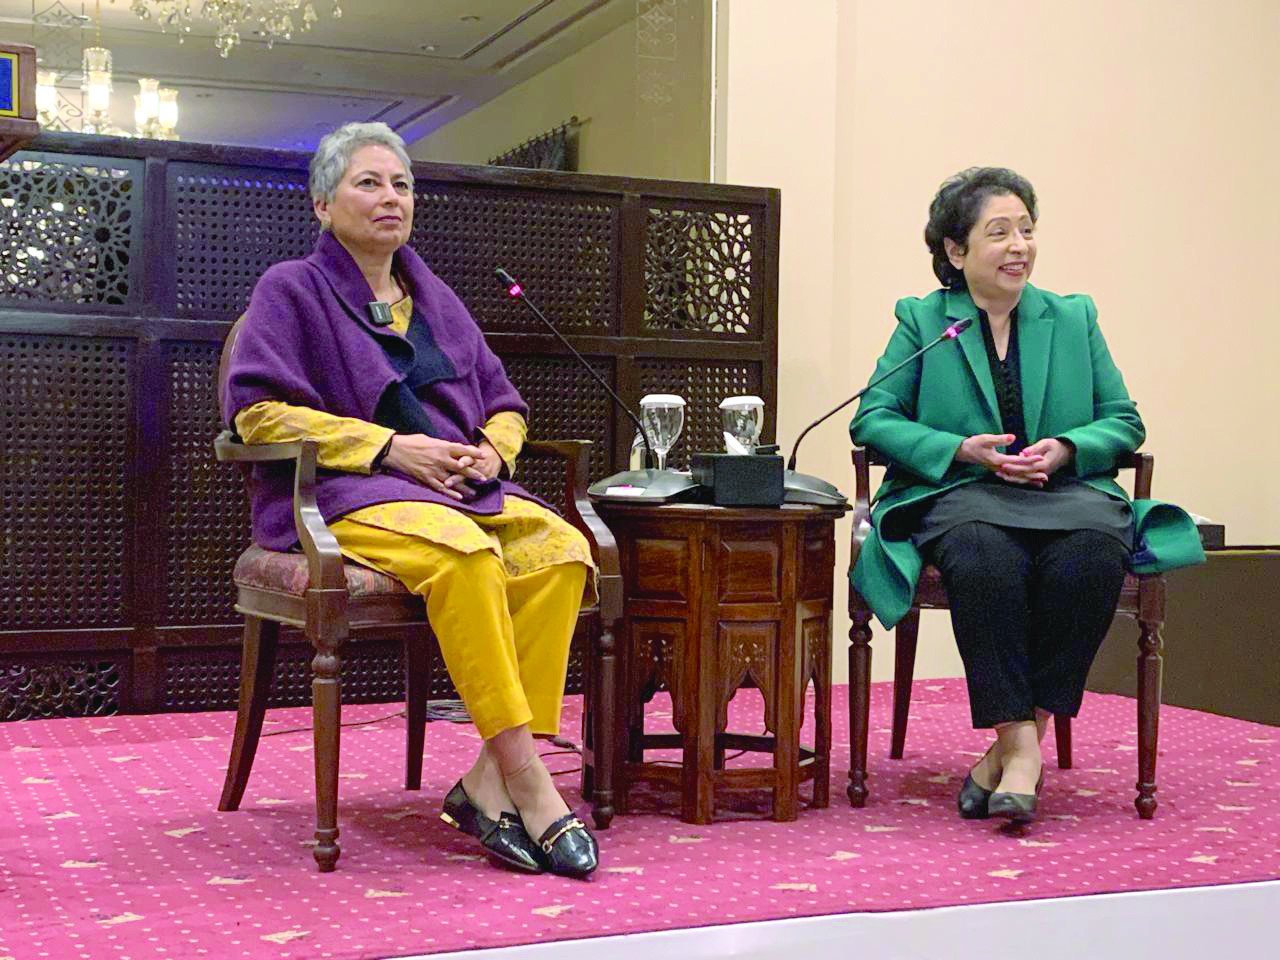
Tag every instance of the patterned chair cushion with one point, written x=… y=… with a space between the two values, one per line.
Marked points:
x=287 y=573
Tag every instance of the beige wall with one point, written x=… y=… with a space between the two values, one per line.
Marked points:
x=645 y=116
x=1148 y=130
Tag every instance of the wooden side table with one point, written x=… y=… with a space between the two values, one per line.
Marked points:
x=714 y=597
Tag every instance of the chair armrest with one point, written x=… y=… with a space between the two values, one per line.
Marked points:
x=581 y=514
x=319 y=546
x=229 y=449
x=861 y=502
x=1143 y=466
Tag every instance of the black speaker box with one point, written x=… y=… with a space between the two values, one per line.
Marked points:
x=740 y=480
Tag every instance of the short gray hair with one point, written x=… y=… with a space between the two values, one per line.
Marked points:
x=332 y=157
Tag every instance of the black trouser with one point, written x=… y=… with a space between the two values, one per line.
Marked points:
x=1029 y=609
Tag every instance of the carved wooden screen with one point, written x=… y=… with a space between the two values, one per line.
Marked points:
x=124 y=263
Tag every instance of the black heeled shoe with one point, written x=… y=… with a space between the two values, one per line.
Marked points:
x=568 y=849
x=973 y=799
x=1016 y=807
x=505 y=839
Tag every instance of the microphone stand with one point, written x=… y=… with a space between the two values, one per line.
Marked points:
x=802 y=488
x=646 y=485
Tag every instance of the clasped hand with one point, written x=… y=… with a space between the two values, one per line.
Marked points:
x=442 y=465
x=1032 y=467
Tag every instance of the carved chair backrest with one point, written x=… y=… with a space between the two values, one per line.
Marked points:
x=224 y=363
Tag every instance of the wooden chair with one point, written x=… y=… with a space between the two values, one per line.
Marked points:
x=333 y=600
x=1142 y=597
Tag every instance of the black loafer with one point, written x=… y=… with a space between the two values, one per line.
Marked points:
x=1016 y=807
x=973 y=800
x=567 y=848
x=505 y=839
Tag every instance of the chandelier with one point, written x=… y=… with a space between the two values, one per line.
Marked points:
x=74 y=84
x=273 y=20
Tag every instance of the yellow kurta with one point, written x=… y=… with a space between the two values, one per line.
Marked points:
x=505 y=677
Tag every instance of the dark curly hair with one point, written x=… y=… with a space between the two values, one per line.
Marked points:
x=955 y=210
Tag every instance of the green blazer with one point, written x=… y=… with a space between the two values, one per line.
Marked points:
x=1071 y=389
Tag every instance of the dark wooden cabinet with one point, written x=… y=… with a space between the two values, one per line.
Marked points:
x=716 y=599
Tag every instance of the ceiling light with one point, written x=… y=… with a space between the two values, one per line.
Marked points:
x=271 y=19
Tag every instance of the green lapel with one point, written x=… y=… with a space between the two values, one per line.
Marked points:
x=959 y=306
x=1035 y=338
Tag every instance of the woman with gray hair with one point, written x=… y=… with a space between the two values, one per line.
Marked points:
x=362 y=348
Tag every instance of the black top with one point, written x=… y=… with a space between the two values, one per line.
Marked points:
x=1064 y=503
x=1006 y=375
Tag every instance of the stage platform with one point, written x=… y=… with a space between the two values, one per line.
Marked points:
x=110 y=847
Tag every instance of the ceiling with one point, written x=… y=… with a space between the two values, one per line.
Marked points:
x=415 y=64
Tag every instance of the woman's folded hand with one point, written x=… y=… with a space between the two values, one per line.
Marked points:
x=434 y=463
x=488 y=465
x=1033 y=466
x=982 y=449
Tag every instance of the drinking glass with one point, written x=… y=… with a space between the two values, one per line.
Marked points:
x=663 y=417
x=742 y=419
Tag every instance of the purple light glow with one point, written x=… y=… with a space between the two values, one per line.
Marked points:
x=515 y=290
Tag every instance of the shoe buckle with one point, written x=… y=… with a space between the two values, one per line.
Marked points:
x=569 y=825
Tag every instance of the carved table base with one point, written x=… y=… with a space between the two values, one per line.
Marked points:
x=717 y=599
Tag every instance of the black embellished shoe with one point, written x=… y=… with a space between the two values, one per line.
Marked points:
x=567 y=848
x=973 y=800
x=1016 y=807
x=505 y=839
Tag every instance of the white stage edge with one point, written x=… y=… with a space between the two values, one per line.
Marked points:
x=1230 y=922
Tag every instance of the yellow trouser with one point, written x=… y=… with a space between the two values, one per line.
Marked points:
x=505 y=639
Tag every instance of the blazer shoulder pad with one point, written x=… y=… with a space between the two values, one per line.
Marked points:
x=1071 y=305
x=913 y=309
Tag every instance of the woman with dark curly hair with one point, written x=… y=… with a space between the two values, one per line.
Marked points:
x=1003 y=455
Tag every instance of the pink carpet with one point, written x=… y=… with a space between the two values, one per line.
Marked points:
x=110 y=846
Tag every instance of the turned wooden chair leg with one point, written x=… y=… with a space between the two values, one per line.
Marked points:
x=1150 y=669
x=417 y=687
x=822 y=722
x=859 y=704
x=257 y=665
x=603 y=688
x=326 y=710
x=1062 y=738
x=587 y=783
x=904 y=668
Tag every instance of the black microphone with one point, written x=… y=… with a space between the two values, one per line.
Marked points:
x=953 y=331
x=516 y=291
x=646 y=485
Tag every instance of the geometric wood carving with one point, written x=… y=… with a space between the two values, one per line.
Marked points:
x=122 y=263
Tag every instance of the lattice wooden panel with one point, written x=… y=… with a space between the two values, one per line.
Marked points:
x=372 y=672
x=91 y=520
x=69 y=228
x=560 y=248
x=208 y=513
x=209 y=678
x=230 y=225
x=698 y=272
x=703 y=384
x=65 y=422
x=565 y=403
x=78 y=688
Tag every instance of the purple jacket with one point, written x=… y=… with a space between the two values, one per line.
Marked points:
x=307 y=340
